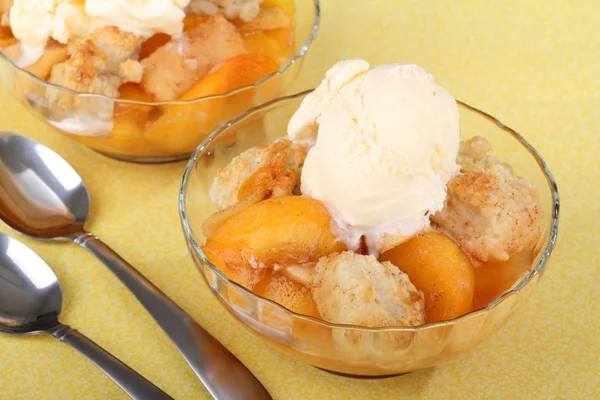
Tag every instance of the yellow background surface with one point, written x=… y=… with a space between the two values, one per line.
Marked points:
x=534 y=64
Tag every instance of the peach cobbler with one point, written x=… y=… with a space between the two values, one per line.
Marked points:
x=372 y=211
x=154 y=51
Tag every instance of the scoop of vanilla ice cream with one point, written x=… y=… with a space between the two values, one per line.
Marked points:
x=34 y=22
x=303 y=125
x=142 y=17
x=386 y=146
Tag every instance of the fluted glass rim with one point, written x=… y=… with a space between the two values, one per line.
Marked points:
x=545 y=254
x=297 y=57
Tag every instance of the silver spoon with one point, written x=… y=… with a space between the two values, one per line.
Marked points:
x=30 y=302
x=43 y=197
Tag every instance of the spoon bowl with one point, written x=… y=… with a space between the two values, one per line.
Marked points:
x=30 y=294
x=42 y=196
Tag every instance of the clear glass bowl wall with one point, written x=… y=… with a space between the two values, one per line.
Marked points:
x=347 y=349
x=180 y=126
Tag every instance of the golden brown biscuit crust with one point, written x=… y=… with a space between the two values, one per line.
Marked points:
x=356 y=289
x=94 y=63
x=283 y=155
x=490 y=211
x=175 y=67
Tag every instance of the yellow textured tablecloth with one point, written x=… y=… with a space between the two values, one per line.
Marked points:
x=534 y=64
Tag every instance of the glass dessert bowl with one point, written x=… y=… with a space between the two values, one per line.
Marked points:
x=156 y=98
x=355 y=349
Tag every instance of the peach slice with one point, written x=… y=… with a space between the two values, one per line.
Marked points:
x=288 y=293
x=181 y=127
x=153 y=43
x=133 y=91
x=440 y=269
x=5 y=5
x=6 y=37
x=191 y=122
x=289 y=230
x=260 y=43
x=6 y=42
x=243 y=70
x=6 y=32
x=287 y=6
x=210 y=224
x=270 y=181
x=127 y=126
x=130 y=118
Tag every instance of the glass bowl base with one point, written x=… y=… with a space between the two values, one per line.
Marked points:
x=145 y=160
x=363 y=376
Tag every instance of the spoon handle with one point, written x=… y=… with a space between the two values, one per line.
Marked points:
x=134 y=384
x=223 y=375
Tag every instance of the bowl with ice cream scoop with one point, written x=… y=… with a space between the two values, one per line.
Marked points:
x=151 y=89
x=452 y=240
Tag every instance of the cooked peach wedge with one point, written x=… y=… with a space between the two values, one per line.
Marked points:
x=288 y=293
x=270 y=181
x=289 y=230
x=439 y=268
x=6 y=37
x=193 y=121
x=132 y=91
x=244 y=70
x=190 y=122
x=154 y=43
x=131 y=113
